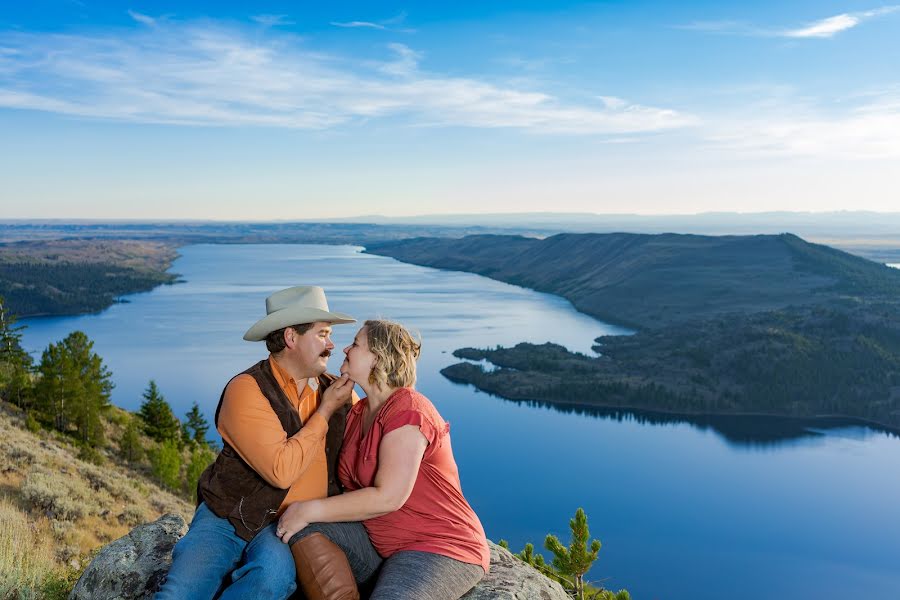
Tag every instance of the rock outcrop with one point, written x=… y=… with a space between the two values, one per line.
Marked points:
x=134 y=566
x=512 y=579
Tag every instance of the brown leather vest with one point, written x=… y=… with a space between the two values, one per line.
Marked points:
x=234 y=491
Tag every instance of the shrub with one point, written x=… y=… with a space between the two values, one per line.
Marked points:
x=201 y=457
x=32 y=424
x=132 y=516
x=165 y=461
x=118 y=487
x=20 y=455
x=61 y=529
x=59 y=584
x=64 y=498
x=610 y=595
x=91 y=455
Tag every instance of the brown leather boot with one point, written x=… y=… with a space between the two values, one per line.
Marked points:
x=323 y=570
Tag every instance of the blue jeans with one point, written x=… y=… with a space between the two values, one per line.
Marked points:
x=211 y=561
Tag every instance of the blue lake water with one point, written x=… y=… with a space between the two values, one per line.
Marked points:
x=714 y=508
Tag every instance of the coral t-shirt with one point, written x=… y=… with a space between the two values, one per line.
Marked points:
x=436 y=517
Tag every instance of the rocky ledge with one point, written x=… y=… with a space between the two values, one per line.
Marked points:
x=134 y=566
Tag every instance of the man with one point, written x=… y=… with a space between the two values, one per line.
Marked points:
x=282 y=424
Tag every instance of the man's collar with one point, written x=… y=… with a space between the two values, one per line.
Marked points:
x=284 y=378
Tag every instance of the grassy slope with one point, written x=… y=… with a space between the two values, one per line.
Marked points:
x=57 y=509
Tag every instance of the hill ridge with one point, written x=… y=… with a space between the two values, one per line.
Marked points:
x=654 y=280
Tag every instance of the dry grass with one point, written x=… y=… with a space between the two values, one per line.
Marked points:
x=27 y=560
x=56 y=509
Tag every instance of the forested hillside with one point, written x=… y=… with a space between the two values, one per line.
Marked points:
x=68 y=277
x=725 y=325
x=647 y=281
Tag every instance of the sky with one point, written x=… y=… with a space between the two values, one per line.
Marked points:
x=305 y=110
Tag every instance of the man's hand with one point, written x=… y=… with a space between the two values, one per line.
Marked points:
x=291 y=521
x=337 y=394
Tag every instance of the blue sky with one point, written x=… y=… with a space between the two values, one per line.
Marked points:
x=290 y=110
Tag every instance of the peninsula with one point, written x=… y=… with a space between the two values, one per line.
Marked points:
x=764 y=324
x=75 y=276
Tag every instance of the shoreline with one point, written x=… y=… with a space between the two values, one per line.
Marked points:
x=609 y=408
x=170 y=250
x=74 y=277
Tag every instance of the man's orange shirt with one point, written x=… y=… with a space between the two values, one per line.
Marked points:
x=248 y=424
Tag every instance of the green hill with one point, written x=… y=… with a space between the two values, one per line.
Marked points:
x=764 y=324
x=649 y=281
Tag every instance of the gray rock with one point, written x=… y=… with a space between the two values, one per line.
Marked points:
x=133 y=566
x=511 y=579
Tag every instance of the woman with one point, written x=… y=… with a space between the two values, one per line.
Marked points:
x=403 y=485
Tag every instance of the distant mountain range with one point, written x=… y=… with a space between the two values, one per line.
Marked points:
x=839 y=224
x=806 y=224
x=869 y=234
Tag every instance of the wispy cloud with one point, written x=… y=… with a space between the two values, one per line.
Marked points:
x=272 y=20
x=202 y=74
x=716 y=26
x=836 y=24
x=141 y=18
x=868 y=129
x=383 y=25
x=396 y=19
x=353 y=24
x=823 y=28
x=406 y=63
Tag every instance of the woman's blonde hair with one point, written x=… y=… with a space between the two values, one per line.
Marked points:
x=396 y=351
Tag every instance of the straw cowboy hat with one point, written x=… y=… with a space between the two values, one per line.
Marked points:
x=294 y=306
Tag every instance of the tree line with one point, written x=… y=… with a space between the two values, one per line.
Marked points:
x=68 y=392
x=39 y=288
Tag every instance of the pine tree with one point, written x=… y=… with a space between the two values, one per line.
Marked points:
x=15 y=363
x=196 y=425
x=528 y=556
x=54 y=388
x=130 y=447
x=535 y=560
x=74 y=388
x=575 y=560
x=160 y=423
x=94 y=387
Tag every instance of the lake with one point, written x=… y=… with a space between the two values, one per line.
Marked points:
x=706 y=508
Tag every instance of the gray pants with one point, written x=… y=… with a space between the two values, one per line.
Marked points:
x=404 y=575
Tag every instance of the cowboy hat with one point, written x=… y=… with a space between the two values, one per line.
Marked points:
x=294 y=306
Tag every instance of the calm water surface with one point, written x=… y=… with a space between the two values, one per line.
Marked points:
x=708 y=509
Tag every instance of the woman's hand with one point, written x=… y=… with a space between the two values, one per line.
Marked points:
x=292 y=520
